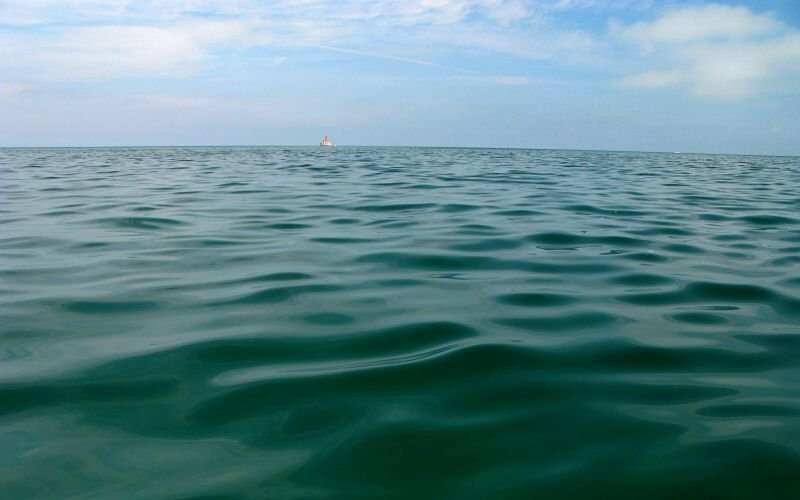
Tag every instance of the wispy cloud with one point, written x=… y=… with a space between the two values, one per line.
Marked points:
x=106 y=39
x=536 y=43
x=717 y=51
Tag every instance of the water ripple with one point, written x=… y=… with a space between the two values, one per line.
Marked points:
x=286 y=322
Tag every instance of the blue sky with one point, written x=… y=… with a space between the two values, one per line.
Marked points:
x=719 y=77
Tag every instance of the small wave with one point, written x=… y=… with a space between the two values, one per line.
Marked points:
x=649 y=257
x=718 y=292
x=571 y=239
x=700 y=318
x=149 y=223
x=280 y=294
x=642 y=279
x=286 y=225
x=458 y=208
x=765 y=220
x=287 y=276
x=396 y=207
x=403 y=339
x=517 y=213
x=790 y=260
x=486 y=245
x=438 y=262
x=344 y=220
x=748 y=410
x=328 y=319
x=342 y=240
x=683 y=248
x=29 y=397
x=612 y=212
x=536 y=299
x=102 y=307
x=562 y=323
x=664 y=231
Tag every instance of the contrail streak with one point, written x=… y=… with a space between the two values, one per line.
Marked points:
x=385 y=56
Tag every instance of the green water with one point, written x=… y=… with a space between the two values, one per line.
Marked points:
x=398 y=322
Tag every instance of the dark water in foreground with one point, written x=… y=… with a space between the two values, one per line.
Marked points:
x=371 y=322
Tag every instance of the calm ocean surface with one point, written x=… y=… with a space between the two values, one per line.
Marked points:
x=398 y=322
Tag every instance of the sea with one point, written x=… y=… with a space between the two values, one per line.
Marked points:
x=365 y=322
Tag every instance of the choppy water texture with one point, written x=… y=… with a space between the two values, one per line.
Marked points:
x=419 y=323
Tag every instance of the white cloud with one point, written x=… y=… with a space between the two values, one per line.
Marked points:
x=690 y=24
x=716 y=51
x=117 y=50
x=735 y=70
x=112 y=51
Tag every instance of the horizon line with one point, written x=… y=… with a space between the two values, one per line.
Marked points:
x=524 y=148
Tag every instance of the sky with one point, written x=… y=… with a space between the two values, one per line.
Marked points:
x=689 y=76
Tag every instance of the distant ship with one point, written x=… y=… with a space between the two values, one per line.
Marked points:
x=325 y=142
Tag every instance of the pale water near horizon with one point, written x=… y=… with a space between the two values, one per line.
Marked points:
x=267 y=322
